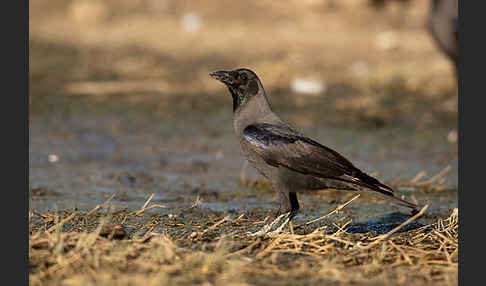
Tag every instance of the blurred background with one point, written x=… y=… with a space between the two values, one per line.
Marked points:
x=121 y=101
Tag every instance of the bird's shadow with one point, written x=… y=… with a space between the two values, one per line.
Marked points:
x=384 y=224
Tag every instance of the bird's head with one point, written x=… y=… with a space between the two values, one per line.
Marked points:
x=243 y=84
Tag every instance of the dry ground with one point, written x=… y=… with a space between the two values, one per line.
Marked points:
x=133 y=248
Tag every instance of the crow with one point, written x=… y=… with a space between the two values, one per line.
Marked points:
x=290 y=160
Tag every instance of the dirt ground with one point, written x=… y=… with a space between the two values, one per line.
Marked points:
x=122 y=107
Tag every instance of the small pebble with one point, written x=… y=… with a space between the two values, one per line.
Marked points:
x=191 y=22
x=53 y=158
x=452 y=136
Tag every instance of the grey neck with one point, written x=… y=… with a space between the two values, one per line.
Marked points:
x=257 y=109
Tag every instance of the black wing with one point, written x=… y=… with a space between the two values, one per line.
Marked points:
x=282 y=146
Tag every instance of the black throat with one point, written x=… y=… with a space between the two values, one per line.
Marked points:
x=236 y=99
x=240 y=100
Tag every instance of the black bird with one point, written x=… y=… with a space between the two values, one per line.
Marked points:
x=291 y=161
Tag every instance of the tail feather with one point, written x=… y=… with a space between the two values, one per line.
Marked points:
x=372 y=185
x=393 y=199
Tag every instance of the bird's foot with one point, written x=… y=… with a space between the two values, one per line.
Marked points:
x=266 y=229
x=280 y=228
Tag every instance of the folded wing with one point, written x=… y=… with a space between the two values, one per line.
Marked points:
x=282 y=146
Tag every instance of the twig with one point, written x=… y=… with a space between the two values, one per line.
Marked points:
x=101 y=205
x=340 y=207
x=225 y=219
x=436 y=177
x=200 y=234
x=148 y=200
x=419 y=176
x=144 y=207
x=405 y=256
x=333 y=237
x=270 y=247
x=52 y=228
x=248 y=248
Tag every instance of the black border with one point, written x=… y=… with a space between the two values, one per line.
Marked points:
x=471 y=120
x=460 y=142
x=16 y=56
x=23 y=95
x=15 y=135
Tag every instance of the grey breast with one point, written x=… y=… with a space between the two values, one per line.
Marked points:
x=256 y=161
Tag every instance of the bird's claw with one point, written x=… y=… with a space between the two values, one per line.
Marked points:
x=266 y=228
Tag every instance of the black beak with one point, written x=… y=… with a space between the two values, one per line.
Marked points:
x=223 y=76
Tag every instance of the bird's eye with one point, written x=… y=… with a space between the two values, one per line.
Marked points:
x=243 y=77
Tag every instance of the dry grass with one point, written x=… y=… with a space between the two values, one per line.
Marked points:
x=97 y=249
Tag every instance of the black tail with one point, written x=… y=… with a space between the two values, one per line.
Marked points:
x=386 y=192
x=374 y=186
x=392 y=198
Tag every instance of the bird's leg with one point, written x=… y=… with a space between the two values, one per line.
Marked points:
x=290 y=205
x=294 y=208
